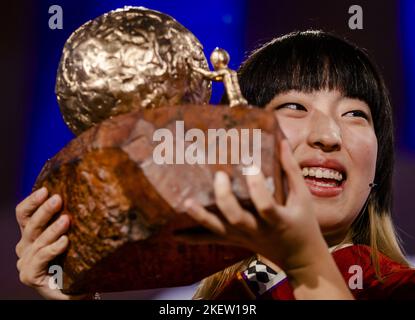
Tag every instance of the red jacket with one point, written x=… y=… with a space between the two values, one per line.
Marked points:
x=355 y=265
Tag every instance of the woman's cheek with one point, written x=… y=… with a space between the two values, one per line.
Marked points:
x=362 y=147
x=292 y=129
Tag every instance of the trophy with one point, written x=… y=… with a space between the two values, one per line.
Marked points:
x=134 y=86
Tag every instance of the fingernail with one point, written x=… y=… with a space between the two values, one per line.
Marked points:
x=62 y=220
x=188 y=203
x=62 y=239
x=221 y=177
x=252 y=170
x=54 y=200
x=40 y=193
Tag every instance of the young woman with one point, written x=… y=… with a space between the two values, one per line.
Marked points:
x=333 y=238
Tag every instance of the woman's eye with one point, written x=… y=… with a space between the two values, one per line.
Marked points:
x=291 y=106
x=357 y=113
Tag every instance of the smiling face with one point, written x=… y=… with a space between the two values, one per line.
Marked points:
x=334 y=142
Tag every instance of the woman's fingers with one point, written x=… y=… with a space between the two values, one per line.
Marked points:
x=32 y=267
x=204 y=218
x=41 y=217
x=29 y=205
x=52 y=233
x=262 y=197
x=46 y=254
x=295 y=178
x=229 y=206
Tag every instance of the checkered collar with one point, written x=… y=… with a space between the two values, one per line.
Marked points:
x=260 y=278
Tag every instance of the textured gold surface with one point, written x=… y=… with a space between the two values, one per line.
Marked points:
x=128 y=58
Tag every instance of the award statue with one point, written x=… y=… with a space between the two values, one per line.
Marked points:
x=134 y=86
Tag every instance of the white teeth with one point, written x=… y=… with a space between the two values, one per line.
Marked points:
x=324 y=184
x=322 y=173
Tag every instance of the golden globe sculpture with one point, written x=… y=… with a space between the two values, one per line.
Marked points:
x=128 y=58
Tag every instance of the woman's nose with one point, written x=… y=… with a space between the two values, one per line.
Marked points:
x=324 y=133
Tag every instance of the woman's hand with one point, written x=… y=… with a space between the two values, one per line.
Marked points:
x=288 y=235
x=40 y=243
x=281 y=233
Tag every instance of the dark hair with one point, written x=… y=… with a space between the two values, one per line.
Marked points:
x=315 y=60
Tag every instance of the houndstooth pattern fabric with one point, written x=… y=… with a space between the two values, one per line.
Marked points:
x=260 y=278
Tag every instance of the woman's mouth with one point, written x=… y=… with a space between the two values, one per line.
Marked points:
x=324 y=182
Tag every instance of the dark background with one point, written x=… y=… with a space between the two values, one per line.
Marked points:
x=32 y=130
